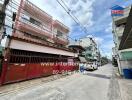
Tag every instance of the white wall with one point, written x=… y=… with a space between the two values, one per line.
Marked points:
x=15 y=44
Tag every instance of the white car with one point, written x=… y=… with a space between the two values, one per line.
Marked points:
x=95 y=66
x=91 y=66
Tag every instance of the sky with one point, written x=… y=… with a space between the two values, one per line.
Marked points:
x=93 y=14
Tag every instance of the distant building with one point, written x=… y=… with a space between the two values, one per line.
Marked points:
x=91 y=52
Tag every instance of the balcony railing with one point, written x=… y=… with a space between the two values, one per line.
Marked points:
x=36 y=12
x=119 y=31
x=89 y=52
x=28 y=26
x=61 y=40
x=33 y=38
x=61 y=26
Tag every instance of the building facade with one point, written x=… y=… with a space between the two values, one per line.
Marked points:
x=91 y=52
x=36 y=44
x=119 y=25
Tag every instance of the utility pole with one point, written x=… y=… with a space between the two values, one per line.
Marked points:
x=2 y=34
x=2 y=18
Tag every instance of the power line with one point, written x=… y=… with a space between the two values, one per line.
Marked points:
x=84 y=28
x=80 y=24
x=31 y=34
x=8 y=15
x=23 y=13
x=72 y=16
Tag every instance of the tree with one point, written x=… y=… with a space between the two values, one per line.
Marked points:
x=104 y=60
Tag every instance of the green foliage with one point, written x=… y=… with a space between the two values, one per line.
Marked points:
x=104 y=60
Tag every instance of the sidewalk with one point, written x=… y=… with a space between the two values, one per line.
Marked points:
x=125 y=86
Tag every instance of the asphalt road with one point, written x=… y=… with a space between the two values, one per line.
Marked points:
x=95 y=85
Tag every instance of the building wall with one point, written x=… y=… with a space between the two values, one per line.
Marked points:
x=92 y=52
x=119 y=23
x=37 y=26
x=32 y=25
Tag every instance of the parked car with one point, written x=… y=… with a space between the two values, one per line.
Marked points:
x=95 y=66
x=90 y=66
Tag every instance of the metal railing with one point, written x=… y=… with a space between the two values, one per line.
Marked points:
x=27 y=2
x=41 y=28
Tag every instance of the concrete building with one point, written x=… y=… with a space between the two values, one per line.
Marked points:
x=120 y=51
x=37 y=28
x=34 y=41
x=91 y=52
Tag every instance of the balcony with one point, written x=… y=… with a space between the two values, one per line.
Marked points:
x=60 y=26
x=37 y=12
x=89 y=52
x=119 y=31
x=27 y=26
x=31 y=38
x=61 y=40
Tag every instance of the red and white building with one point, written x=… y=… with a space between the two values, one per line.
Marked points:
x=38 y=45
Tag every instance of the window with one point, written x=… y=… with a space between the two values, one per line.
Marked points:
x=35 y=21
x=25 y=17
x=89 y=48
x=89 y=55
x=59 y=34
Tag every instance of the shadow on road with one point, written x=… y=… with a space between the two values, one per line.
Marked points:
x=98 y=75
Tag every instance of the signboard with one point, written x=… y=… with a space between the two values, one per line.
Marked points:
x=117 y=11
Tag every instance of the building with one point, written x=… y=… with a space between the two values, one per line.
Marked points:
x=35 y=41
x=1 y=30
x=77 y=48
x=91 y=52
x=120 y=29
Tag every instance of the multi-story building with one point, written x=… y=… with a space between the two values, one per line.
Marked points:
x=91 y=52
x=34 y=41
x=119 y=26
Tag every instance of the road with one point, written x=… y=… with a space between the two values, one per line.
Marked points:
x=95 y=85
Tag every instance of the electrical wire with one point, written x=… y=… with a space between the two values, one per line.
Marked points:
x=84 y=28
x=73 y=17
x=77 y=19
x=22 y=8
x=23 y=13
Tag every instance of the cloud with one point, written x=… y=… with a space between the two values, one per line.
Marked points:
x=106 y=48
x=98 y=40
x=108 y=36
x=84 y=13
x=109 y=29
x=91 y=13
x=108 y=45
